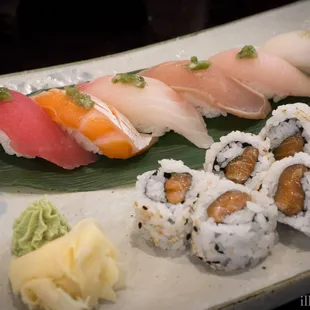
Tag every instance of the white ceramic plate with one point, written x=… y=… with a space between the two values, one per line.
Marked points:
x=154 y=281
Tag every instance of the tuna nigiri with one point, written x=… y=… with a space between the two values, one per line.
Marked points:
x=151 y=106
x=205 y=86
x=26 y=130
x=97 y=127
x=266 y=73
x=293 y=47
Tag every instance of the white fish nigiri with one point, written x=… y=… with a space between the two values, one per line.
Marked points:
x=294 y=47
x=210 y=90
x=266 y=73
x=151 y=106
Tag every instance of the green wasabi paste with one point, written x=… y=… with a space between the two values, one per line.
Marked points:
x=133 y=79
x=248 y=51
x=83 y=100
x=37 y=225
x=194 y=64
x=5 y=94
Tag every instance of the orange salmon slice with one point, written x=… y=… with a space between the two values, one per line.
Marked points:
x=105 y=127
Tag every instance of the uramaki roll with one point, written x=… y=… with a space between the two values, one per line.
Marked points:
x=164 y=201
x=288 y=130
x=288 y=183
x=233 y=227
x=239 y=157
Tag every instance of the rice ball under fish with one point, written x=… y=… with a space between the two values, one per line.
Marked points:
x=288 y=130
x=233 y=227
x=288 y=183
x=239 y=157
x=165 y=199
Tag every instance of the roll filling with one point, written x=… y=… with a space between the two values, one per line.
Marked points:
x=239 y=157
x=233 y=227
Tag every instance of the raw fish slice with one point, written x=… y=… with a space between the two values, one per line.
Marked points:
x=155 y=109
x=211 y=90
x=100 y=129
x=26 y=130
x=293 y=47
x=268 y=74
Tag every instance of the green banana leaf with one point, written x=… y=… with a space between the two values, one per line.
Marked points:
x=108 y=173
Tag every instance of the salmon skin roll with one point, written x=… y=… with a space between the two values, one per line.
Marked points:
x=99 y=128
x=288 y=130
x=288 y=183
x=233 y=226
x=164 y=201
x=240 y=157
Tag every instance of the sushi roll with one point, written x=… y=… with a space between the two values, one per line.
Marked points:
x=288 y=183
x=239 y=157
x=165 y=199
x=233 y=227
x=288 y=130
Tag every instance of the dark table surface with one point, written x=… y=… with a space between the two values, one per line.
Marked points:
x=36 y=33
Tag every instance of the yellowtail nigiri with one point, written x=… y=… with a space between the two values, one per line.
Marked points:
x=151 y=106
x=294 y=47
x=266 y=73
x=96 y=126
x=206 y=87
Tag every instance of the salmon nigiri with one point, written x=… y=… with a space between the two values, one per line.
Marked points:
x=151 y=106
x=99 y=128
x=26 y=130
x=266 y=73
x=205 y=86
x=293 y=47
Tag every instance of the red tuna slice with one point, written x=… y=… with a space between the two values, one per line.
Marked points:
x=33 y=134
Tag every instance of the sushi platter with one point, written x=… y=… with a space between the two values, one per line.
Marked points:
x=186 y=183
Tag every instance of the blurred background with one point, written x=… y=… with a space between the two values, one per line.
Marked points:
x=36 y=33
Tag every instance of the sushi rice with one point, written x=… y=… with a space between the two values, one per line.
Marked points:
x=232 y=145
x=301 y=221
x=243 y=239
x=165 y=224
x=286 y=121
x=207 y=111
